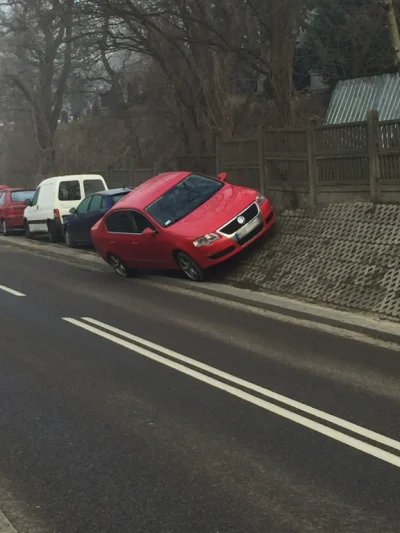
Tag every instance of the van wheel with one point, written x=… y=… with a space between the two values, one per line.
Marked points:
x=52 y=231
x=189 y=267
x=28 y=234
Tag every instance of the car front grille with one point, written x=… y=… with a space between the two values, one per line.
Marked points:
x=233 y=226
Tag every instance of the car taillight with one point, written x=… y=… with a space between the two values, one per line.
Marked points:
x=57 y=214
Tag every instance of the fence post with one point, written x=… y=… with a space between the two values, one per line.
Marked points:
x=260 y=151
x=312 y=167
x=217 y=155
x=373 y=152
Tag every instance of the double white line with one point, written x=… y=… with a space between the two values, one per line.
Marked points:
x=230 y=384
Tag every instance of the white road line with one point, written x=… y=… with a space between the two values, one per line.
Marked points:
x=344 y=424
x=280 y=411
x=11 y=291
x=5 y=525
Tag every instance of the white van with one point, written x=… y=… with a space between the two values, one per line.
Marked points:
x=54 y=198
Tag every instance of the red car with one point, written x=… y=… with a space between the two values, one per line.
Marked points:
x=12 y=206
x=181 y=220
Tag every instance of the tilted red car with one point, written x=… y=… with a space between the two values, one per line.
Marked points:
x=12 y=207
x=181 y=220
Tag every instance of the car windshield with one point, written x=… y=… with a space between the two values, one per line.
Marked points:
x=117 y=197
x=183 y=199
x=21 y=196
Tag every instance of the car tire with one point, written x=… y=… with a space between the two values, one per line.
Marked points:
x=119 y=266
x=52 y=232
x=4 y=228
x=189 y=267
x=68 y=239
x=28 y=234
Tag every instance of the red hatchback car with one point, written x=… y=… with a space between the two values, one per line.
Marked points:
x=12 y=207
x=181 y=220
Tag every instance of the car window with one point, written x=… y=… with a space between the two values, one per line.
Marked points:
x=83 y=207
x=121 y=222
x=141 y=222
x=36 y=196
x=95 y=204
x=2 y=198
x=69 y=191
x=117 y=197
x=92 y=186
x=21 y=196
x=183 y=198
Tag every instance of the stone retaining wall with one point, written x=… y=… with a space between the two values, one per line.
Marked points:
x=345 y=255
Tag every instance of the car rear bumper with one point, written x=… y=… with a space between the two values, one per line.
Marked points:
x=227 y=247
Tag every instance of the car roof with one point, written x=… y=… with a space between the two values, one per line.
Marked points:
x=111 y=192
x=150 y=190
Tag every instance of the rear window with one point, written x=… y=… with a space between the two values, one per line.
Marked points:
x=117 y=197
x=21 y=196
x=93 y=186
x=69 y=191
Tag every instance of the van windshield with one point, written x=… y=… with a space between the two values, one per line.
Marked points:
x=93 y=186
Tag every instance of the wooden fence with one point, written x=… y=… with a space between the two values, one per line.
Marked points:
x=309 y=166
x=313 y=165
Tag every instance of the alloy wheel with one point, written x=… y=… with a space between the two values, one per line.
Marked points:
x=189 y=267
x=118 y=266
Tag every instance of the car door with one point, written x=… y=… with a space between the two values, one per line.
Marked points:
x=121 y=237
x=155 y=251
x=94 y=213
x=76 y=221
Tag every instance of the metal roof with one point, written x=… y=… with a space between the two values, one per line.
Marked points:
x=352 y=99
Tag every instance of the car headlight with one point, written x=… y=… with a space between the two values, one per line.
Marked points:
x=260 y=199
x=206 y=240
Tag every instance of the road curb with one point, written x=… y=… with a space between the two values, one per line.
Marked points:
x=371 y=326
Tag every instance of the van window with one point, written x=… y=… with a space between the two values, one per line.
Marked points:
x=92 y=186
x=35 y=196
x=2 y=197
x=69 y=191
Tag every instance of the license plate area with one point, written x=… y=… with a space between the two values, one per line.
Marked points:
x=247 y=229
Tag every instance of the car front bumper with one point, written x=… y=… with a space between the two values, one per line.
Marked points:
x=228 y=246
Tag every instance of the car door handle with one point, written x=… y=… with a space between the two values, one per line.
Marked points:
x=113 y=242
x=135 y=242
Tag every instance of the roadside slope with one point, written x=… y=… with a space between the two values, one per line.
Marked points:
x=345 y=255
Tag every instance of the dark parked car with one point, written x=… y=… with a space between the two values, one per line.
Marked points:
x=77 y=225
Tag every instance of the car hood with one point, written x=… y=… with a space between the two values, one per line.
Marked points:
x=218 y=210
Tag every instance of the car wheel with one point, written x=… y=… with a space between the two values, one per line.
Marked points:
x=119 y=266
x=52 y=231
x=4 y=227
x=189 y=267
x=28 y=234
x=68 y=239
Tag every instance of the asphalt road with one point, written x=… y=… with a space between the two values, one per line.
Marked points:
x=127 y=407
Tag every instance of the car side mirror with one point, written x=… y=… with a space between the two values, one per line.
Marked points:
x=28 y=203
x=222 y=176
x=149 y=232
x=73 y=211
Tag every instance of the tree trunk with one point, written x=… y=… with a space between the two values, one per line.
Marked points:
x=393 y=30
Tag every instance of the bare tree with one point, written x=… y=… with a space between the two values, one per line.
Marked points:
x=39 y=42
